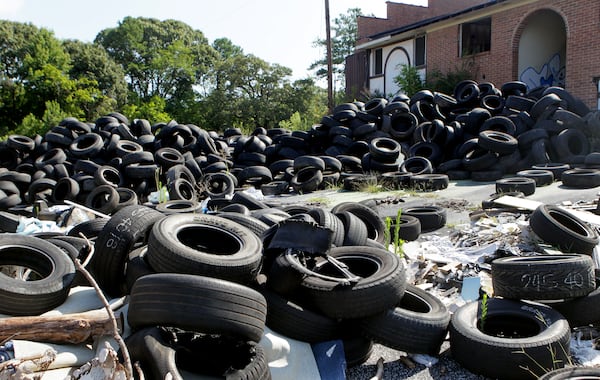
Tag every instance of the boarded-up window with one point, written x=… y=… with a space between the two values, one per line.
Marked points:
x=420 y=51
x=475 y=36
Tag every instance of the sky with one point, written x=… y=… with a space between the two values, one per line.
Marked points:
x=277 y=31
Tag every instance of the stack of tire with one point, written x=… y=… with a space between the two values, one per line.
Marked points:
x=176 y=267
x=343 y=284
x=524 y=331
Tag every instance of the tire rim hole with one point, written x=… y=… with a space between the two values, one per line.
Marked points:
x=509 y=326
x=359 y=266
x=209 y=240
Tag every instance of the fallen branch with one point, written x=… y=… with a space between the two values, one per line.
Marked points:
x=68 y=328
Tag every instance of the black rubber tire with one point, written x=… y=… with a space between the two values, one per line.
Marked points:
x=374 y=223
x=355 y=230
x=104 y=199
x=581 y=178
x=137 y=267
x=181 y=189
x=255 y=225
x=410 y=227
x=560 y=228
x=162 y=354
x=357 y=350
x=572 y=373
x=48 y=284
x=124 y=231
x=90 y=228
x=418 y=324
x=431 y=217
x=496 y=141
x=580 y=311
x=226 y=307
x=540 y=176
x=205 y=245
x=218 y=185
x=429 y=182
x=294 y=321
x=384 y=149
x=382 y=283
x=479 y=159
x=179 y=206
x=417 y=165
x=307 y=180
x=543 y=277
x=524 y=185
x=556 y=168
x=329 y=220
x=248 y=201
x=543 y=340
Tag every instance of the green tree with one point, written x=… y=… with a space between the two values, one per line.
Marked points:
x=160 y=58
x=409 y=80
x=344 y=33
x=92 y=62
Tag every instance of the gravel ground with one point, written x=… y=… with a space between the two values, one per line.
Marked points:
x=394 y=368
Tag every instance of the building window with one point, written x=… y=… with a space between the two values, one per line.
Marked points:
x=420 y=51
x=378 y=62
x=475 y=36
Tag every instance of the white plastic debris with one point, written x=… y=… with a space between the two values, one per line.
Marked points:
x=426 y=360
x=29 y=226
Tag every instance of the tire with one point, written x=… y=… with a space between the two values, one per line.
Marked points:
x=127 y=229
x=555 y=167
x=179 y=206
x=410 y=227
x=90 y=228
x=297 y=322
x=562 y=229
x=307 y=180
x=329 y=220
x=524 y=185
x=418 y=324
x=355 y=230
x=580 y=311
x=581 y=178
x=499 y=142
x=226 y=307
x=572 y=373
x=104 y=199
x=382 y=282
x=218 y=185
x=205 y=245
x=431 y=217
x=374 y=223
x=43 y=277
x=541 y=177
x=429 y=182
x=384 y=149
x=543 y=277
x=539 y=339
x=255 y=225
x=416 y=165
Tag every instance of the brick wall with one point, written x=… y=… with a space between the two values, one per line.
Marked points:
x=399 y=15
x=499 y=65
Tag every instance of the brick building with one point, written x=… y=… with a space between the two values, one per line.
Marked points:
x=539 y=42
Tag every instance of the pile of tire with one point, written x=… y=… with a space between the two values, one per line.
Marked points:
x=344 y=284
x=524 y=331
x=480 y=132
x=176 y=267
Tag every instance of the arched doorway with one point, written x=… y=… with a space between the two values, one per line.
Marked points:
x=542 y=50
x=393 y=63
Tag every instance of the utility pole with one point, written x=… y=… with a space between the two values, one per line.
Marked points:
x=329 y=59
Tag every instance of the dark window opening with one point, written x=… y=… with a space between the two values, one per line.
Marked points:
x=420 y=51
x=378 y=62
x=476 y=36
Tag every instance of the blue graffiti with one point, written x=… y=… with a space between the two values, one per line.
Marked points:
x=551 y=74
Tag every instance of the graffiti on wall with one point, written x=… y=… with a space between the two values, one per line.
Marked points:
x=551 y=74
